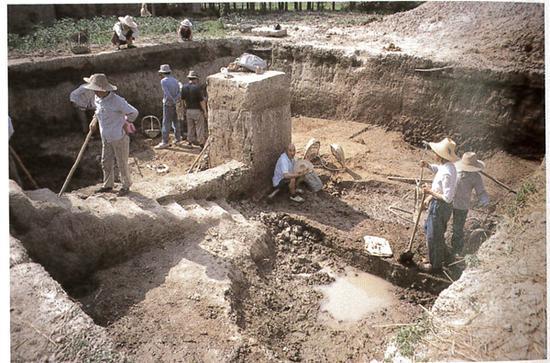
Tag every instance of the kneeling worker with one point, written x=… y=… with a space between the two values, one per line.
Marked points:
x=284 y=177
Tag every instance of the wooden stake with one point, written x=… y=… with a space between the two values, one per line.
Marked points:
x=16 y=157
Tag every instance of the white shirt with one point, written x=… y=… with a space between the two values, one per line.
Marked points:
x=122 y=34
x=111 y=112
x=445 y=180
x=83 y=98
x=284 y=165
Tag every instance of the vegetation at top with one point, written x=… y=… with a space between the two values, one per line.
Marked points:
x=100 y=31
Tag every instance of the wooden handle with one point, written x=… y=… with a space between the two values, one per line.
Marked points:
x=23 y=168
x=416 y=222
x=499 y=182
x=78 y=158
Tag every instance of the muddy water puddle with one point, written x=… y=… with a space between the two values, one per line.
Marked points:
x=353 y=295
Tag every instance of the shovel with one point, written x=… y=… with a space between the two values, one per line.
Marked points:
x=407 y=255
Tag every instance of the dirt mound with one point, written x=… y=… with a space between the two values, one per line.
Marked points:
x=477 y=33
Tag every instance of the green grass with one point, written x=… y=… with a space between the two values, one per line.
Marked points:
x=408 y=337
x=521 y=198
x=56 y=36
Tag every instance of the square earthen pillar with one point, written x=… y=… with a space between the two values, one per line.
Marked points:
x=249 y=120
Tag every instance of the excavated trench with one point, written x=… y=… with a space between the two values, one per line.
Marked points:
x=148 y=290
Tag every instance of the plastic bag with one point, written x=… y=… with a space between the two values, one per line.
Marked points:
x=252 y=63
x=313 y=182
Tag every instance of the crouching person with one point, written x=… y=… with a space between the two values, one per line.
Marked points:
x=112 y=113
x=439 y=201
x=284 y=178
x=125 y=32
x=469 y=179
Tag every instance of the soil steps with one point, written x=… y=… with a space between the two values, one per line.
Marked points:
x=169 y=268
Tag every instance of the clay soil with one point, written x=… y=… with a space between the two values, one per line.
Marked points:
x=277 y=309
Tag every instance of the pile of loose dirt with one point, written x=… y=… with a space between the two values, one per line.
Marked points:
x=479 y=34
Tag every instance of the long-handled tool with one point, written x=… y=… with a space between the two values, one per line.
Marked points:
x=498 y=182
x=206 y=145
x=79 y=157
x=418 y=182
x=16 y=157
x=407 y=255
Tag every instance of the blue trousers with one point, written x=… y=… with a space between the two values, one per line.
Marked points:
x=439 y=213
x=459 y=219
x=169 y=121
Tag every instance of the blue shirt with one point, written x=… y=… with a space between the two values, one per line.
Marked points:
x=111 y=112
x=171 y=90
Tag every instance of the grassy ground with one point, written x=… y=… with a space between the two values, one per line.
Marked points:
x=99 y=31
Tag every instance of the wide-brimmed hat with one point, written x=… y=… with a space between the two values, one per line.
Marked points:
x=192 y=75
x=98 y=82
x=445 y=148
x=165 y=68
x=186 y=23
x=338 y=153
x=469 y=162
x=311 y=151
x=128 y=20
x=302 y=165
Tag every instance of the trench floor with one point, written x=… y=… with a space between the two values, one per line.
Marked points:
x=166 y=304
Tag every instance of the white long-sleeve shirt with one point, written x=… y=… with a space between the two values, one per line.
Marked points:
x=83 y=98
x=112 y=111
x=284 y=165
x=119 y=30
x=445 y=180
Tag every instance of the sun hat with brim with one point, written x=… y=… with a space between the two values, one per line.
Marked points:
x=165 y=68
x=186 y=23
x=192 y=75
x=99 y=82
x=469 y=162
x=445 y=148
x=302 y=165
x=128 y=20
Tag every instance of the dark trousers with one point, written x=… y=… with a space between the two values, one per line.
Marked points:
x=439 y=213
x=459 y=219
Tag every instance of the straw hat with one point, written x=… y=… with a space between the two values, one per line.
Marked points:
x=469 y=162
x=165 y=68
x=302 y=165
x=128 y=20
x=312 y=149
x=98 y=82
x=186 y=23
x=192 y=75
x=445 y=148
x=338 y=153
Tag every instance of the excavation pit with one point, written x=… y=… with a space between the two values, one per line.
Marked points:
x=178 y=273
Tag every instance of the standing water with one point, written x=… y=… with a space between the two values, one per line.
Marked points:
x=353 y=295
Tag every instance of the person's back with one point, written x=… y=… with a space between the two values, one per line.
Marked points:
x=193 y=95
x=171 y=90
x=467 y=182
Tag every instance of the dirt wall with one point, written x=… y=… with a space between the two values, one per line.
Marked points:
x=481 y=110
x=39 y=92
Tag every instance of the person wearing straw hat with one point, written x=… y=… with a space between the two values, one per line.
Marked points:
x=185 y=33
x=439 y=201
x=125 y=32
x=196 y=110
x=469 y=179
x=285 y=177
x=112 y=113
x=83 y=101
x=171 y=96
